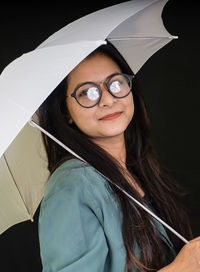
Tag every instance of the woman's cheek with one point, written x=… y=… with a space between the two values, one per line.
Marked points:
x=85 y=121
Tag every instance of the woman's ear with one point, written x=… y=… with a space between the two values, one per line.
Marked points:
x=68 y=117
x=70 y=121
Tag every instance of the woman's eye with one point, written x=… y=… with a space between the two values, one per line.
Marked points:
x=115 y=86
x=83 y=93
x=93 y=93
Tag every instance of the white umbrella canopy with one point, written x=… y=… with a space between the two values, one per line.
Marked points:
x=135 y=28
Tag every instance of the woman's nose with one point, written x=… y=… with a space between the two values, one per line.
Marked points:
x=106 y=98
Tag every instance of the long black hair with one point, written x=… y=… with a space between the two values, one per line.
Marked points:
x=141 y=162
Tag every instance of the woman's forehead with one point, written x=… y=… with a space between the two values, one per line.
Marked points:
x=95 y=68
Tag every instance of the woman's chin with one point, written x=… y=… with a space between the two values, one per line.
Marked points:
x=110 y=133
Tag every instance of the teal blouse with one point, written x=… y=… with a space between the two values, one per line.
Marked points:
x=80 y=223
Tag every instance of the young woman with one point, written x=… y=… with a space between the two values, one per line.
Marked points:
x=86 y=223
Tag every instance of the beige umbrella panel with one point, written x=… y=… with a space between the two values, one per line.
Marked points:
x=23 y=176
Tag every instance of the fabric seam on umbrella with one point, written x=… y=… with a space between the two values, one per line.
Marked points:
x=31 y=218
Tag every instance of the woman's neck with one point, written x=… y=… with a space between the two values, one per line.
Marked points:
x=115 y=146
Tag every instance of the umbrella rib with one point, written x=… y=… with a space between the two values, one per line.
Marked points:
x=33 y=124
x=132 y=38
x=31 y=218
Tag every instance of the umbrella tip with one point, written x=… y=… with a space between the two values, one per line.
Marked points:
x=101 y=42
x=31 y=218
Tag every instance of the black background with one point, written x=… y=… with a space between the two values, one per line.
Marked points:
x=170 y=82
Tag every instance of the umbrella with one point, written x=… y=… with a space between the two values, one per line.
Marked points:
x=135 y=28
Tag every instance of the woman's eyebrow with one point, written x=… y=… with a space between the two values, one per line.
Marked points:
x=84 y=82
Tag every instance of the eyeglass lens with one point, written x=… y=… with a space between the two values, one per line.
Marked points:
x=88 y=94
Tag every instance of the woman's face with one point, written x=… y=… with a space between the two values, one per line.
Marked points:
x=93 y=121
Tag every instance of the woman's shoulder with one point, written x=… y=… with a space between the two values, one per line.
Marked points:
x=76 y=175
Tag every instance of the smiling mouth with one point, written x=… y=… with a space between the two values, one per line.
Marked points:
x=111 y=116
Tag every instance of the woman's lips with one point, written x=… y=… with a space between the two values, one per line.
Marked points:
x=111 y=116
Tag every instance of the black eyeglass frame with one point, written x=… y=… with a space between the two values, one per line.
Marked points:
x=106 y=82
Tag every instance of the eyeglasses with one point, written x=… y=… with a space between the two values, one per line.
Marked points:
x=88 y=94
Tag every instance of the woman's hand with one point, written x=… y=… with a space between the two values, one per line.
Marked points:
x=188 y=259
